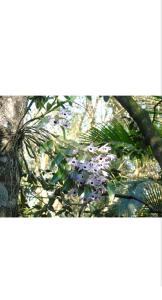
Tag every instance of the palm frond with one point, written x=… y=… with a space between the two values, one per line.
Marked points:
x=124 y=138
x=151 y=193
x=106 y=133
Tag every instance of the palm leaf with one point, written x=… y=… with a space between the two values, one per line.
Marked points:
x=105 y=133
x=123 y=138
x=151 y=193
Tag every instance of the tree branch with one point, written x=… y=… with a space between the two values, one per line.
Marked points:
x=143 y=121
x=154 y=116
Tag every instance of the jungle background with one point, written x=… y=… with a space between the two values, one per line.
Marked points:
x=81 y=156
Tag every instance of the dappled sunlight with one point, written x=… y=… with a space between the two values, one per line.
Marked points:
x=82 y=156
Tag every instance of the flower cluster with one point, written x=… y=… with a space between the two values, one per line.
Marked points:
x=92 y=171
x=63 y=117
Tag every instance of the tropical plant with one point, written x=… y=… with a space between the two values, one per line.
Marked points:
x=109 y=171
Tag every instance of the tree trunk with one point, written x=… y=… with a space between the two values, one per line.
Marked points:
x=143 y=121
x=12 y=110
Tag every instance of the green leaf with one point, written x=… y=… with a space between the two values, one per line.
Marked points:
x=111 y=191
x=68 y=184
x=49 y=105
x=50 y=144
x=57 y=160
x=87 y=190
x=64 y=132
x=46 y=146
x=56 y=177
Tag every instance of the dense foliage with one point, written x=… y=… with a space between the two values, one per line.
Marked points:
x=85 y=156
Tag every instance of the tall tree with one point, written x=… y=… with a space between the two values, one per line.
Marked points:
x=12 y=110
